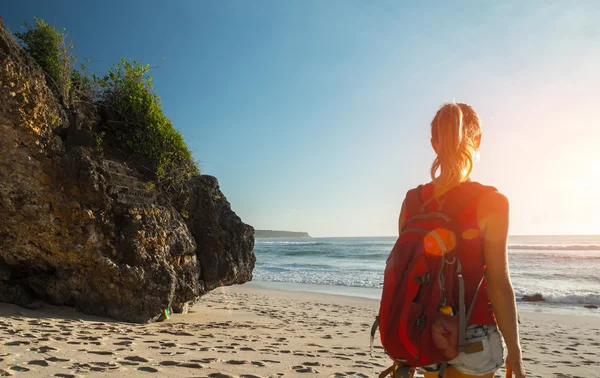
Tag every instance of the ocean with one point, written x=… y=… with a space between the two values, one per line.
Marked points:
x=564 y=269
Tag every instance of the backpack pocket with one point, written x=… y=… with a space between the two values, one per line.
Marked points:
x=444 y=334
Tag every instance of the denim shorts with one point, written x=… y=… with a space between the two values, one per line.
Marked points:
x=486 y=361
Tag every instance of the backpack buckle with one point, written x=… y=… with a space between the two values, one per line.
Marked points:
x=422 y=279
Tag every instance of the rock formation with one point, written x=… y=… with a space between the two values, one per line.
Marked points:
x=83 y=229
x=533 y=298
x=271 y=234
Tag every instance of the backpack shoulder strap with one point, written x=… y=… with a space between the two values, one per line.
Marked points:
x=413 y=202
x=462 y=196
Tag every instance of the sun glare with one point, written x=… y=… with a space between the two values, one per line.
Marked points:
x=439 y=241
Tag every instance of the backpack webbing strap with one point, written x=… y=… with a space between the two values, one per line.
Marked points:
x=403 y=372
x=387 y=372
x=442 y=371
x=472 y=305
x=397 y=371
x=413 y=202
x=462 y=321
x=373 y=330
x=463 y=317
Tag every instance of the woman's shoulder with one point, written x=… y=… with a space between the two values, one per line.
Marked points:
x=493 y=198
x=493 y=204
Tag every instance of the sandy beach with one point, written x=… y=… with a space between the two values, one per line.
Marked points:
x=249 y=332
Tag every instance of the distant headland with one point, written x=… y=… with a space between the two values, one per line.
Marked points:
x=270 y=234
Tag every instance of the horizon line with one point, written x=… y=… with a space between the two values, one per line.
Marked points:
x=512 y=235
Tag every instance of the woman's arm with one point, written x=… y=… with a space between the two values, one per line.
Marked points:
x=494 y=221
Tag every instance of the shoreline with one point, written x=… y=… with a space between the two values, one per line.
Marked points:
x=375 y=295
x=244 y=331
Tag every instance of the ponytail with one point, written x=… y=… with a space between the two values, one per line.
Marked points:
x=457 y=132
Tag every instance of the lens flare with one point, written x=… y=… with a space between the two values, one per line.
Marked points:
x=470 y=234
x=439 y=241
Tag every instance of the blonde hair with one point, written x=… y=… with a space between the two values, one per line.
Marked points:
x=457 y=131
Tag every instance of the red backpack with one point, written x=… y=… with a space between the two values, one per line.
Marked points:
x=422 y=316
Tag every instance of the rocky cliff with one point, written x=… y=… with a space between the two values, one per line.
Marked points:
x=82 y=228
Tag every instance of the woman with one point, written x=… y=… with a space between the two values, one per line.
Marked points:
x=455 y=138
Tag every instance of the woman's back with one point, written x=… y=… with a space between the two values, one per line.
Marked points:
x=482 y=237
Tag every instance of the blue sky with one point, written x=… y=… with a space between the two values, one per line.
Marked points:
x=314 y=115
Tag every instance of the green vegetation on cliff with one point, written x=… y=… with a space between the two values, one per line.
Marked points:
x=127 y=89
x=141 y=131
x=266 y=234
x=51 y=51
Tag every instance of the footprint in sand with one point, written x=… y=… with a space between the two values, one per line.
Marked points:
x=172 y=353
x=229 y=347
x=135 y=359
x=237 y=362
x=315 y=363
x=169 y=363
x=303 y=369
x=108 y=365
x=101 y=352
x=148 y=369
x=206 y=360
x=124 y=343
x=19 y=368
x=343 y=358
x=38 y=363
x=220 y=375
x=190 y=365
x=353 y=374
x=128 y=363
